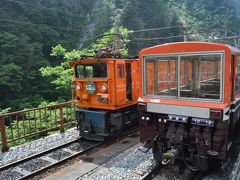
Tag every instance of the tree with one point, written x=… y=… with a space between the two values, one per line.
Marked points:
x=62 y=74
x=11 y=79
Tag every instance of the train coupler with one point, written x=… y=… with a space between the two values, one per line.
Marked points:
x=170 y=156
x=213 y=153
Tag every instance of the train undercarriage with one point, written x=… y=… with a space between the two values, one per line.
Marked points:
x=95 y=124
x=193 y=141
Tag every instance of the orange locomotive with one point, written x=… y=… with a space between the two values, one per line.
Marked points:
x=106 y=93
x=189 y=101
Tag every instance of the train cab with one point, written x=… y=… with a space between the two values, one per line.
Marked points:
x=189 y=101
x=106 y=94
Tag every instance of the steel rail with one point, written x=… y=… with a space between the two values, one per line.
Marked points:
x=35 y=156
x=194 y=175
x=150 y=175
x=61 y=161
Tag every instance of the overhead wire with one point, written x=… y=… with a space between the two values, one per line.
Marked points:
x=189 y=12
x=130 y=41
x=154 y=29
x=43 y=25
x=177 y=36
x=183 y=9
x=43 y=7
x=130 y=32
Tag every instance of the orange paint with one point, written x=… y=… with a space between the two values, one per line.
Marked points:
x=183 y=48
x=111 y=91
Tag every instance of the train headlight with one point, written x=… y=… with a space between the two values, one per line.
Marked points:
x=78 y=86
x=104 y=87
x=147 y=118
x=143 y=117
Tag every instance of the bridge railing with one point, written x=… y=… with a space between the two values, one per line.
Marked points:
x=17 y=126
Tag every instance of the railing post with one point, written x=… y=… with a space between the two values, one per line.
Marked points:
x=61 y=119
x=3 y=134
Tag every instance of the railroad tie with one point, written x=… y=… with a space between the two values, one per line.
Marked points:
x=21 y=171
x=70 y=151
x=48 y=159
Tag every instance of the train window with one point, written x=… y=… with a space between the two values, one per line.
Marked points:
x=184 y=76
x=238 y=75
x=161 y=76
x=120 y=71
x=91 y=70
x=200 y=76
x=150 y=78
x=167 y=76
x=79 y=69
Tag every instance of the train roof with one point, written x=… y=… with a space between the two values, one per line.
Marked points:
x=93 y=59
x=192 y=46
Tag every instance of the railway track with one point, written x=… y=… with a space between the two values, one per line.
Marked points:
x=33 y=165
x=163 y=172
x=151 y=175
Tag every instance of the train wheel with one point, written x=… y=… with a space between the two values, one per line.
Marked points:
x=157 y=152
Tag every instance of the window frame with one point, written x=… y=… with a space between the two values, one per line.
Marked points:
x=179 y=55
x=89 y=64
x=237 y=67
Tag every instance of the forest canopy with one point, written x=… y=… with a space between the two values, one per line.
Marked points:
x=30 y=31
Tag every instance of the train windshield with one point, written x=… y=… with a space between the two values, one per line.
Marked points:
x=91 y=70
x=184 y=76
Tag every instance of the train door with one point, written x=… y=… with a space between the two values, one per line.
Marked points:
x=120 y=75
x=129 y=81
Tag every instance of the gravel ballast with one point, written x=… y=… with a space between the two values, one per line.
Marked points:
x=130 y=164
x=37 y=146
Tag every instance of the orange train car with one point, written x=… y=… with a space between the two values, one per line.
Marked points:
x=106 y=94
x=189 y=101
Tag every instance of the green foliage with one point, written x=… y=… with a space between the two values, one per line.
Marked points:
x=62 y=74
x=26 y=41
x=4 y=111
x=58 y=50
x=25 y=45
x=205 y=16
x=11 y=77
